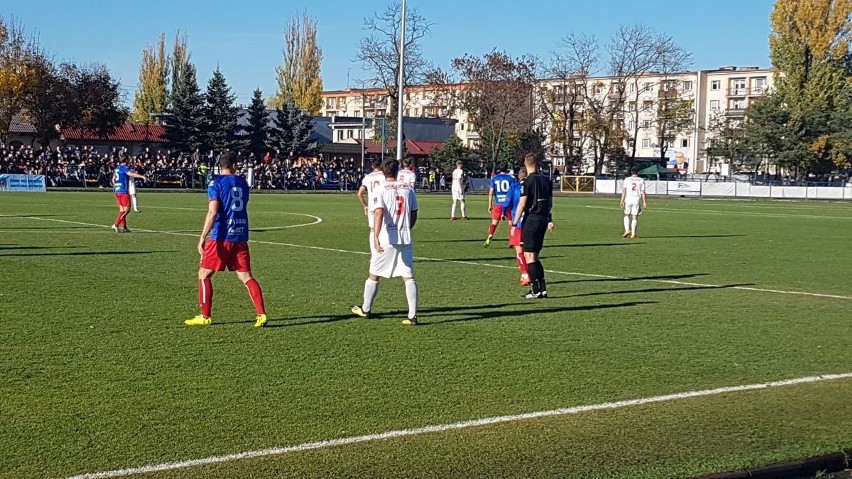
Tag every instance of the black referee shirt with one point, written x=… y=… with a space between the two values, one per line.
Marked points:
x=539 y=193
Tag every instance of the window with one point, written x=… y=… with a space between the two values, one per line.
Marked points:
x=357 y=112
x=715 y=84
x=684 y=143
x=738 y=105
x=687 y=85
x=646 y=143
x=759 y=85
x=631 y=88
x=714 y=104
x=406 y=112
x=349 y=133
x=340 y=134
x=631 y=143
x=647 y=105
x=646 y=123
x=648 y=86
x=631 y=125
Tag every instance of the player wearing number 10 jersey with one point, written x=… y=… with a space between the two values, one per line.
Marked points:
x=224 y=240
x=501 y=184
x=394 y=207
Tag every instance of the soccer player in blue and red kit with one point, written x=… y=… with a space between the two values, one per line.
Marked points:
x=510 y=206
x=120 y=183
x=224 y=240
x=501 y=183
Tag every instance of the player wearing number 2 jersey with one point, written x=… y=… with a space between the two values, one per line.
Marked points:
x=501 y=184
x=394 y=207
x=224 y=240
x=632 y=193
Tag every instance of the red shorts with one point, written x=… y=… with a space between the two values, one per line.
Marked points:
x=123 y=199
x=220 y=254
x=497 y=212
x=515 y=239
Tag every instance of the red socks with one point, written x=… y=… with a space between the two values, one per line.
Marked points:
x=122 y=219
x=491 y=229
x=522 y=262
x=205 y=296
x=256 y=295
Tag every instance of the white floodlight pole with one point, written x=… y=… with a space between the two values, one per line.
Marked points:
x=401 y=92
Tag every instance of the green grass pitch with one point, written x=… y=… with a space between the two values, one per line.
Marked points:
x=97 y=371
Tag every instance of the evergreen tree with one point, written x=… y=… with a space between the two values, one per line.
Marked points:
x=220 y=114
x=257 y=129
x=184 y=130
x=292 y=131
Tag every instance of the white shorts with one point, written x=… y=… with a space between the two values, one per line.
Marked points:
x=396 y=260
x=633 y=207
x=372 y=245
x=131 y=185
x=458 y=194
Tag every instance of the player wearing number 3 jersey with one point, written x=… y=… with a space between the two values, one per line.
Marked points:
x=224 y=240
x=394 y=208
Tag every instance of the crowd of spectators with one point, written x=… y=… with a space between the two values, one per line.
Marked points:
x=86 y=166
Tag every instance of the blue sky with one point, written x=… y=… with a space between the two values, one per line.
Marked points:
x=246 y=39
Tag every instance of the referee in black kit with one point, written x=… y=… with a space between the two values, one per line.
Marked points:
x=534 y=207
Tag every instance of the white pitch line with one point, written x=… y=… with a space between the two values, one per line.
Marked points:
x=730 y=213
x=490 y=265
x=277 y=451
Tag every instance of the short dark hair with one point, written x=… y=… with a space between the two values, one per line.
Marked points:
x=502 y=169
x=376 y=162
x=530 y=159
x=406 y=162
x=124 y=158
x=390 y=168
x=227 y=160
x=634 y=170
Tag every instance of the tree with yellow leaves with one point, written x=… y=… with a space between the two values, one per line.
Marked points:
x=18 y=53
x=810 y=51
x=151 y=94
x=299 y=80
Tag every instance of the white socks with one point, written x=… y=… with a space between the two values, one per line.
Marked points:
x=453 y=214
x=371 y=289
x=626 y=223
x=633 y=225
x=464 y=215
x=133 y=200
x=411 y=296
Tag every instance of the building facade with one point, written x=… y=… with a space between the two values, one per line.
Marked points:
x=678 y=112
x=420 y=101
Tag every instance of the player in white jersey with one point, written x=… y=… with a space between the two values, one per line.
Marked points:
x=457 y=190
x=632 y=201
x=131 y=190
x=394 y=206
x=369 y=185
x=407 y=174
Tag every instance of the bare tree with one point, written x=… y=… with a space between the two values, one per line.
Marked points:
x=497 y=95
x=560 y=99
x=675 y=108
x=379 y=51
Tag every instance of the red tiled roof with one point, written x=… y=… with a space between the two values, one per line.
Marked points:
x=138 y=132
x=417 y=148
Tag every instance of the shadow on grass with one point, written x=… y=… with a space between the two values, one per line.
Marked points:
x=4 y=247
x=548 y=246
x=25 y=216
x=669 y=277
x=540 y=307
x=474 y=259
x=86 y=253
x=662 y=290
x=693 y=236
x=482 y=240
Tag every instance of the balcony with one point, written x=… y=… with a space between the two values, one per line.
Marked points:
x=735 y=112
x=758 y=90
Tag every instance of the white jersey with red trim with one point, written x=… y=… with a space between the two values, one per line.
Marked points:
x=371 y=182
x=397 y=200
x=407 y=176
x=634 y=186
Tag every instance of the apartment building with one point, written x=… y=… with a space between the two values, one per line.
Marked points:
x=715 y=96
x=420 y=101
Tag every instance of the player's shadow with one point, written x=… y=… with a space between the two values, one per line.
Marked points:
x=540 y=307
x=587 y=245
x=693 y=236
x=85 y=253
x=376 y=315
x=4 y=247
x=476 y=240
x=662 y=290
x=474 y=259
x=669 y=277
x=25 y=216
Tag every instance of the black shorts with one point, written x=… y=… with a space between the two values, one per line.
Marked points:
x=533 y=233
